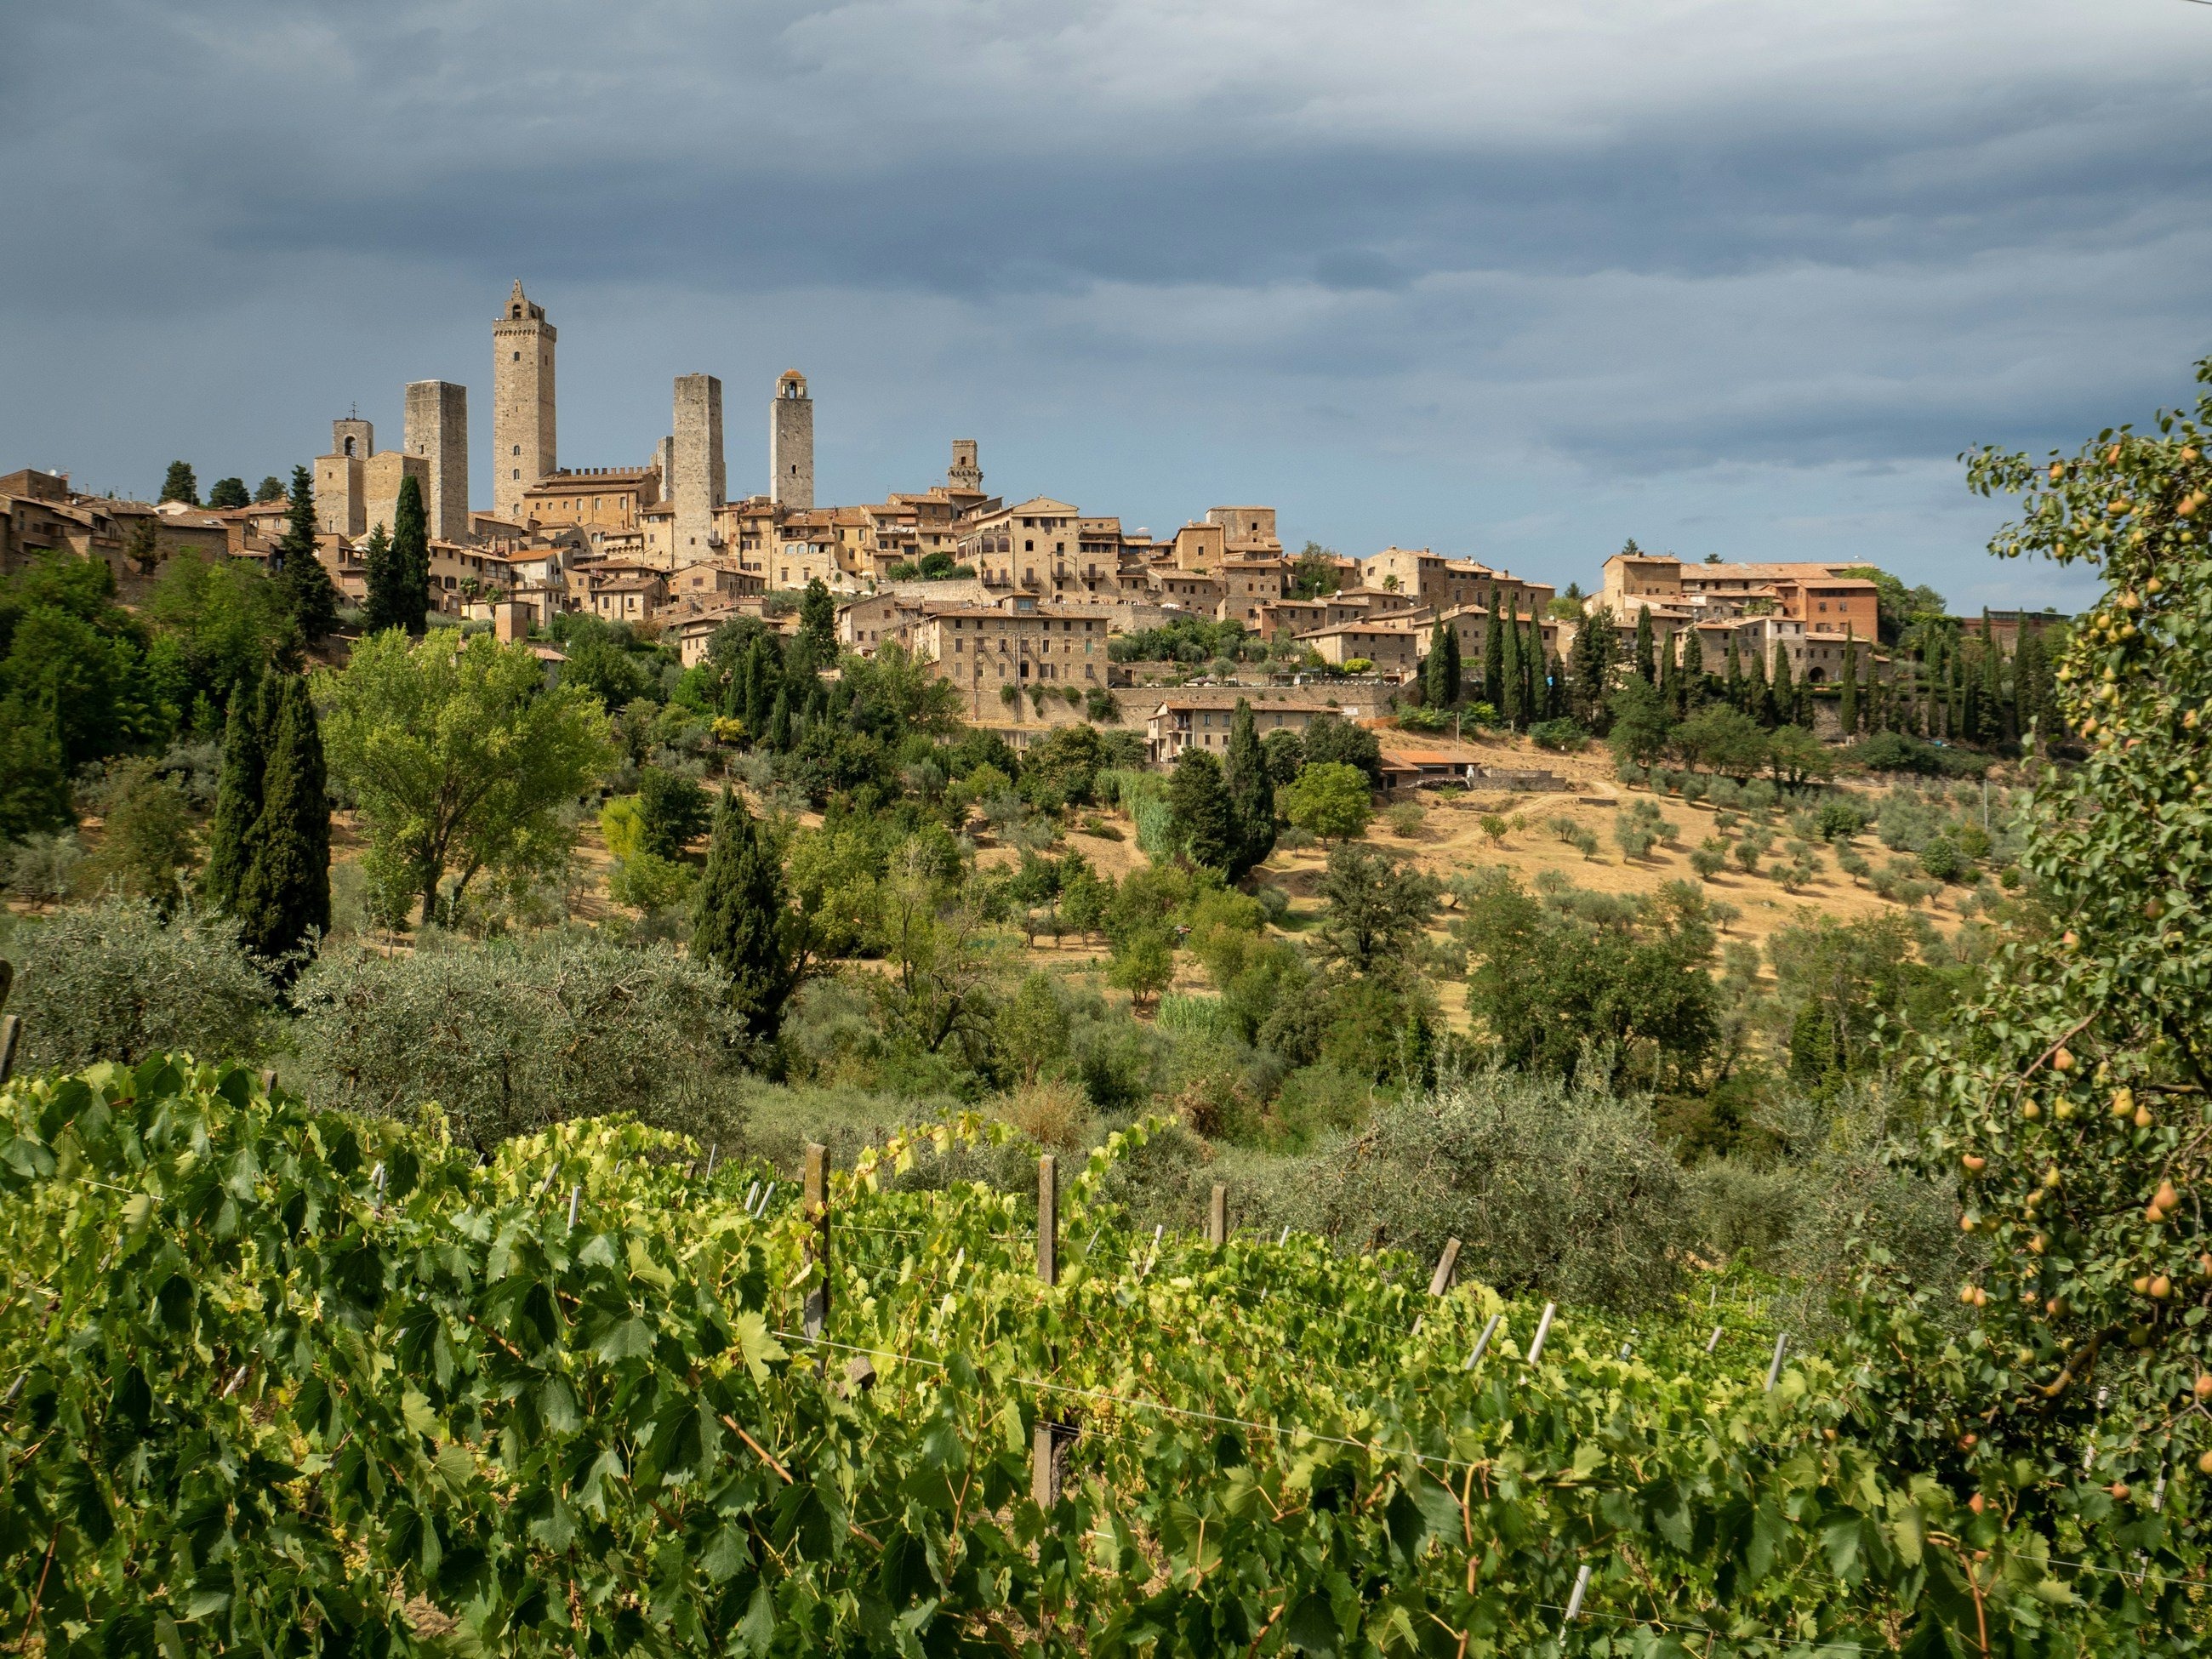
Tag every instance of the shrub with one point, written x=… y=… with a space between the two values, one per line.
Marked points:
x=1407 y=819
x=1556 y=1191
x=1707 y=858
x=114 y=981
x=43 y=867
x=1424 y=719
x=1560 y=737
x=510 y=1036
x=1495 y=826
x=1748 y=852
x=1839 y=819
x=1941 y=858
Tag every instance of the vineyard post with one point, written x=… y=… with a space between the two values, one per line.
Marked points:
x=1216 y=1216
x=818 y=1236
x=1447 y=1265
x=1048 y=1219
x=1482 y=1342
x=1543 y=1330
x=1774 y=1371
x=11 y=1030
x=268 y=1079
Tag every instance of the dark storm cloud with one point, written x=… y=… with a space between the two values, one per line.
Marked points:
x=1636 y=243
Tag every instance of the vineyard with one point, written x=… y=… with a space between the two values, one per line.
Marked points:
x=285 y=1381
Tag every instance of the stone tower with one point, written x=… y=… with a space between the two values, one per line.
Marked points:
x=700 y=481
x=340 y=508
x=791 y=443
x=966 y=472
x=522 y=445
x=438 y=433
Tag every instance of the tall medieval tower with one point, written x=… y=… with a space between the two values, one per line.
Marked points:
x=791 y=443
x=695 y=460
x=438 y=433
x=522 y=444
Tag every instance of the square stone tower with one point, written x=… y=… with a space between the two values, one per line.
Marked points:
x=791 y=443
x=522 y=438
x=438 y=435
x=380 y=488
x=966 y=472
x=701 y=483
x=340 y=509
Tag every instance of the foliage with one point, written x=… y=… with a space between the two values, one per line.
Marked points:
x=673 y=812
x=309 y=594
x=744 y=926
x=179 y=485
x=283 y=898
x=393 y=1389
x=1251 y=792
x=1201 y=812
x=458 y=757
x=1560 y=737
x=1378 y=908
x=1330 y=739
x=146 y=847
x=510 y=1035
x=226 y=493
x=1328 y=799
x=115 y=978
x=226 y=620
x=1596 y=991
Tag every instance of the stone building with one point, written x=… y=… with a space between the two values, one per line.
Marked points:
x=791 y=443
x=1202 y=717
x=699 y=489
x=523 y=437
x=603 y=501
x=357 y=486
x=1017 y=644
x=437 y=433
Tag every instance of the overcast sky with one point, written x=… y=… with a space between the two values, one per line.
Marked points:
x=1512 y=279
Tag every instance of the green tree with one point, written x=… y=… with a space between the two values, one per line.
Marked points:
x=673 y=809
x=1493 y=652
x=1377 y=911
x=1847 y=707
x=1589 y=671
x=227 y=493
x=1251 y=794
x=1142 y=963
x=1330 y=800
x=1639 y=729
x=180 y=484
x=459 y=760
x=1332 y=738
x=238 y=793
x=308 y=589
x=1314 y=573
x=410 y=560
x=270 y=489
x=1200 y=811
x=1722 y=739
x=35 y=792
x=817 y=622
x=146 y=846
x=743 y=923
x=284 y=897
x=1646 y=659
x=226 y=620
x=1796 y=756
x=382 y=609
x=1513 y=677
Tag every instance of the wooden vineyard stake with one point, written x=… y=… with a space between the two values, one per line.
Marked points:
x=817 y=1203
x=1774 y=1371
x=11 y=1033
x=1049 y=1219
x=1216 y=1216
x=1447 y=1264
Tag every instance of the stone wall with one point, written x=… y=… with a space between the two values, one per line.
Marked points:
x=438 y=433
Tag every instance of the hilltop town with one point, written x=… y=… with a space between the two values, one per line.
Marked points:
x=1038 y=611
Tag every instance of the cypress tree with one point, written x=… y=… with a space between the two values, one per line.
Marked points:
x=1646 y=655
x=238 y=793
x=1732 y=680
x=1508 y=634
x=1670 y=682
x=779 y=722
x=1431 y=677
x=411 y=559
x=1532 y=667
x=181 y=485
x=1555 y=677
x=306 y=585
x=1759 y=699
x=741 y=924
x=380 y=609
x=284 y=892
x=1848 y=708
x=1995 y=712
x=1493 y=657
x=1455 y=669
x=1785 y=698
x=1251 y=794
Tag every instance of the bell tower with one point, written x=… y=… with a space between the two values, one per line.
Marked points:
x=791 y=443
x=522 y=434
